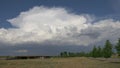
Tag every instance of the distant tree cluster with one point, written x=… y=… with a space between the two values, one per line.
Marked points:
x=105 y=51
x=71 y=54
x=117 y=47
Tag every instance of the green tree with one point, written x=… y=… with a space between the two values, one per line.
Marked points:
x=107 y=50
x=71 y=54
x=94 y=52
x=64 y=54
x=99 y=52
x=117 y=47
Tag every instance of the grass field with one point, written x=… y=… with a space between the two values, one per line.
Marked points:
x=77 y=62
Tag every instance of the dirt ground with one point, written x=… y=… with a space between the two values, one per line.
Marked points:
x=76 y=62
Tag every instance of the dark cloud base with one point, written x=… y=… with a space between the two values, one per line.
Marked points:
x=44 y=50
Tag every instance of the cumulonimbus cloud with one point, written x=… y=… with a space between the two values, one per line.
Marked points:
x=58 y=26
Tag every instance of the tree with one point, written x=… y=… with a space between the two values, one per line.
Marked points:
x=64 y=54
x=94 y=52
x=117 y=47
x=99 y=52
x=107 y=50
x=71 y=54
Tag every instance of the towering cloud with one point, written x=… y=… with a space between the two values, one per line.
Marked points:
x=58 y=26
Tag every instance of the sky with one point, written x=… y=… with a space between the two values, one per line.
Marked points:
x=47 y=27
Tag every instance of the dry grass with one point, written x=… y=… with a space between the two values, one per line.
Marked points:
x=78 y=62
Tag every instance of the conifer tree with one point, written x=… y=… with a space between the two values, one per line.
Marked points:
x=64 y=54
x=107 y=50
x=94 y=52
x=117 y=47
x=99 y=51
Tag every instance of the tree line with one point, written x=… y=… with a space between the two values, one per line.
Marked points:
x=106 y=51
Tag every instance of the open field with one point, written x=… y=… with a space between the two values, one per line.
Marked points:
x=77 y=62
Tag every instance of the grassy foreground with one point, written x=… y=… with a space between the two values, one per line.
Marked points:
x=77 y=62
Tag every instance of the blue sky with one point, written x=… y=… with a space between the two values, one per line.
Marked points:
x=47 y=27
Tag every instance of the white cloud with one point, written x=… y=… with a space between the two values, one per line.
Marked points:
x=56 y=25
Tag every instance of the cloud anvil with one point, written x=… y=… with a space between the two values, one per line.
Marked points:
x=57 y=25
